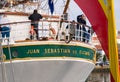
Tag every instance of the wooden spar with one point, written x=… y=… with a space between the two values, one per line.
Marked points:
x=64 y=11
x=66 y=6
x=61 y=20
x=26 y=14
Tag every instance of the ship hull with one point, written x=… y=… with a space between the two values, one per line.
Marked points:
x=48 y=70
x=47 y=62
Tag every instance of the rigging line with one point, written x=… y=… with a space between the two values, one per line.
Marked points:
x=8 y=40
x=58 y=30
x=43 y=7
x=3 y=68
x=64 y=2
x=38 y=5
x=61 y=19
x=46 y=5
x=4 y=4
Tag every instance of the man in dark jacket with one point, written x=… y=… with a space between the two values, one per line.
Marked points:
x=82 y=20
x=35 y=17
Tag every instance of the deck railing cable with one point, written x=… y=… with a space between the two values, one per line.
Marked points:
x=2 y=58
x=44 y=29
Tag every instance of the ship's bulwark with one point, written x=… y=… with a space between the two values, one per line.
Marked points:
x=50 y=50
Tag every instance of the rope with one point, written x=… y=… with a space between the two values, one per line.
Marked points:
x=3 y=68
x=11 y=61
x=68 y=38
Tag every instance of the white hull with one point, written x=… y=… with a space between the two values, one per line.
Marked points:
x=47 y=70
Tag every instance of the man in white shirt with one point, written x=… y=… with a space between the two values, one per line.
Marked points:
x=5 y=28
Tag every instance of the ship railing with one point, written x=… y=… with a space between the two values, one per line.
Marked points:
x=83 y=33
x=49 y=30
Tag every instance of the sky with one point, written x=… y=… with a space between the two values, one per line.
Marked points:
x=117 y=13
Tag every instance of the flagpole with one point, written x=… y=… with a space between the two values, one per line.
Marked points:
x=113 y=51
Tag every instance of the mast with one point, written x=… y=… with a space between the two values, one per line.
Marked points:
x=64 y=11
x=61 y=19
x=66 y=6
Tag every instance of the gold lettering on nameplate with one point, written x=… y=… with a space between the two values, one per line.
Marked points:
x=57 y=51
x=84 y=52
x=74 y=51
x=33 y=51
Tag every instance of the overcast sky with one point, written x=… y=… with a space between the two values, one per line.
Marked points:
x=117 y=14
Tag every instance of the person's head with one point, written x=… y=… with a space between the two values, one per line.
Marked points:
x=35 y=11
x=83 y=16
x=81 y=19
x=73 y=21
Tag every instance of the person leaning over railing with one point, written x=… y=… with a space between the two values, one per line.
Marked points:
x=5 y=29
x=88 y=35
x=84 y=32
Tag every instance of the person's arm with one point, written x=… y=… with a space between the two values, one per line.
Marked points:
x=29 y=17
x=40 y=16
x=78 y=18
